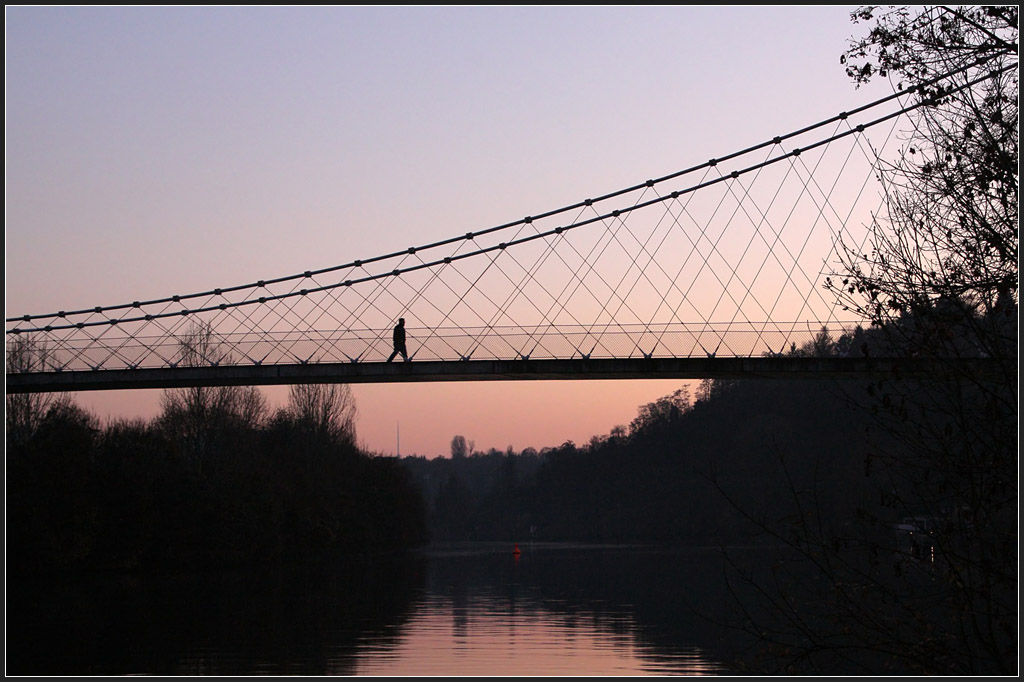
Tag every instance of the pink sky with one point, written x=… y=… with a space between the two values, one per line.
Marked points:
x=421 y=419
x=153 y=151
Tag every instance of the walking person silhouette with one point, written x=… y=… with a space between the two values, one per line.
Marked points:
x=398 y=339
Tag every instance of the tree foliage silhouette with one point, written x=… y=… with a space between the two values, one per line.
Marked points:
x=213 y=480
x=24 y=412
x=940 y=280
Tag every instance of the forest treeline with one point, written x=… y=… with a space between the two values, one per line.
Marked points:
x=215 y=479
x=675 y=475
x=709 y=467
x=735 y=458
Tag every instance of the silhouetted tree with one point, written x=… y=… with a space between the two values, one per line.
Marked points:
x=52 y=505
x=939 y=280
x=198 y=418
x=25 y=411
x=326 y=409
x=708 y=389
x=662 y=411
x=951 y=231
x=459 y=447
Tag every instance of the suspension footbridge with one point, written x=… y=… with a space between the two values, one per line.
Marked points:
x=716 y=271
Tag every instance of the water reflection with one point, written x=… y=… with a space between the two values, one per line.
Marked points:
x=528 y=639
x=471 y=610
x=559 y=609
x=302 y=620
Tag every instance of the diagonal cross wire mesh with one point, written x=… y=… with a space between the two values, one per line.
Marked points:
x=726 y=258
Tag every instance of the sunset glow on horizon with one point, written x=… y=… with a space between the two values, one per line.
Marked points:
x=160 y=151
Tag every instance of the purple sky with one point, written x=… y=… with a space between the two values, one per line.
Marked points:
x=152 y=151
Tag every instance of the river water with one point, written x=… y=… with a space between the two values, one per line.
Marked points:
x=474 y=609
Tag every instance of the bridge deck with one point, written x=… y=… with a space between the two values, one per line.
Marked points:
x=497 y=370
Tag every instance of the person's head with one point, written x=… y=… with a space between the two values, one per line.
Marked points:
x=401 y=321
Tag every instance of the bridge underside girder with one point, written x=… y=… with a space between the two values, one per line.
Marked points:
x=773 y=368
